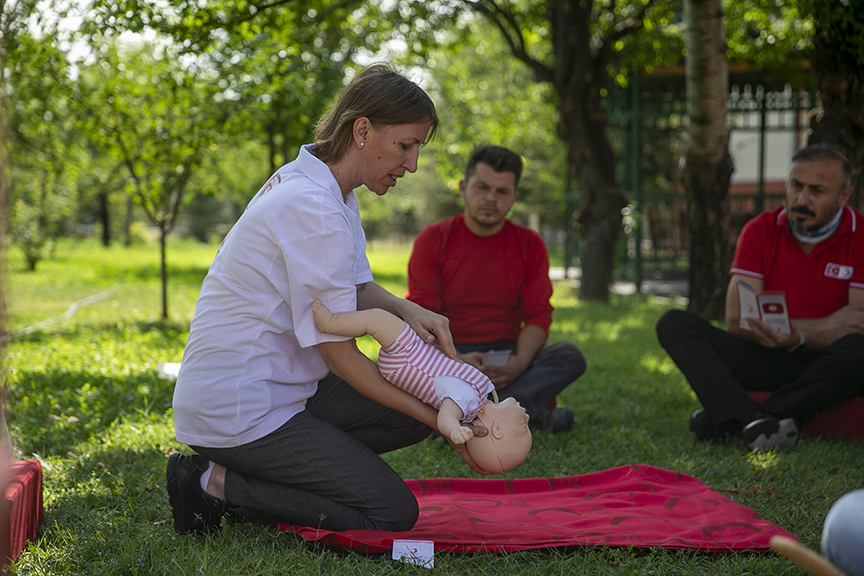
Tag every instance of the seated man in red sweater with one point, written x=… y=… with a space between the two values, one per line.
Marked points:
x=490 y=277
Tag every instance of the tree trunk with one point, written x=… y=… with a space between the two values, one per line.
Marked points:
x=127 y=221
x=163 y=233
x=600 y=217
x=591 y=159
x=104 y=218
x=838 y=59
x=709 y=224
x=708 y=165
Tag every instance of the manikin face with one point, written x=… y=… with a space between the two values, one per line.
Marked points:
x=508 y=441
x=814 y=193
x=488 y=197
x=390 y=151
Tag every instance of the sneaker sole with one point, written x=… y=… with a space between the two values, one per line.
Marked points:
x=786 y=435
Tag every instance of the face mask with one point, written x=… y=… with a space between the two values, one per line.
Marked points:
x=814 y=236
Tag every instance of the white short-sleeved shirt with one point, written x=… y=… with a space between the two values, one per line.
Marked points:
x=250 y=363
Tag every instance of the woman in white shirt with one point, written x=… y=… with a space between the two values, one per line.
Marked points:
x=287 y=422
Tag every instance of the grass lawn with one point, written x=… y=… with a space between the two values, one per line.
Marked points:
x=85 y=400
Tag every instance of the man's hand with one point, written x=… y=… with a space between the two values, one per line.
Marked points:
x=475 y=359
x=770 y=338
x=503 y=376
x=822 y=332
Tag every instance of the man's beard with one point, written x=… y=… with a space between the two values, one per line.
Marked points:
x=807 y=230
x=817 y=232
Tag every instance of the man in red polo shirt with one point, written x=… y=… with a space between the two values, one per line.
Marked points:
x=490 y=277
x=812 y=249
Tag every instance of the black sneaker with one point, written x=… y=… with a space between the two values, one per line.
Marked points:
x=557 y=420
x=768 y=432
x=193 y=509
x=702 y=427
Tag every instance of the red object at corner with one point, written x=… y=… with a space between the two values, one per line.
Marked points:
x=21 y=508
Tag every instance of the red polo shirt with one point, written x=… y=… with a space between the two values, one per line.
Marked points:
x=816 y=284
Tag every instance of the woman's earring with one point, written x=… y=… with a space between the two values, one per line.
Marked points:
x=362 y=144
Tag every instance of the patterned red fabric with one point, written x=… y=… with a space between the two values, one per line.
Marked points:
x=629 y=506
x=844 y=419
x=22 y=506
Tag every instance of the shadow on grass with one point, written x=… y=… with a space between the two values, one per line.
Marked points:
x=51 y=412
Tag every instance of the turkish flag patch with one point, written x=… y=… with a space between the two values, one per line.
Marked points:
x=838 y=271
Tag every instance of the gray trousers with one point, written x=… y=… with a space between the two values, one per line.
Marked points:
x=321 y=468
x=554 y=368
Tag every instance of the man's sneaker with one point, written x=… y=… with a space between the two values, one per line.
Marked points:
x=557 y=420
x=193 y=509
x=702 y=427
x=768 y=432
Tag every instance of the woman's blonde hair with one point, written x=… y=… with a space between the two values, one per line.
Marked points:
x=379 y=93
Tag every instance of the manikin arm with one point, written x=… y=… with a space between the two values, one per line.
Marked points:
x=449 y=425
x=383 y=326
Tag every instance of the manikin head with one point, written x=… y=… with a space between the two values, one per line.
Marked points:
x=508 y=441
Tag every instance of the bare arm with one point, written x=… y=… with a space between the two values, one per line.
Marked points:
x=821 y=332
x=347 y=362
x=428 y=325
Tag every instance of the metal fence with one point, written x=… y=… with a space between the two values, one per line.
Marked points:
x=648 y=126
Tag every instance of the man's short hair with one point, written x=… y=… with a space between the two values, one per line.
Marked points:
x=500 y=159
x=816 y=152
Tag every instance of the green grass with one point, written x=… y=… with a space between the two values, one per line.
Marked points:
x=84 y=399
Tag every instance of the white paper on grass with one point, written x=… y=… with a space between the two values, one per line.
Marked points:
x=419 y=552
x=769 y=306
x=168 y=370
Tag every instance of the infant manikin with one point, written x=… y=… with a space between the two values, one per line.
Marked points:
x=456 y=389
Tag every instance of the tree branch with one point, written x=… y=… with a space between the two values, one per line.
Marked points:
x=620 y=30
x=507 y=24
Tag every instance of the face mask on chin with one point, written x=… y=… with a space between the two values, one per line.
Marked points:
x=809 y=235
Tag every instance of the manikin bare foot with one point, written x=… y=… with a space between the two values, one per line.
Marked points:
x=321 y=314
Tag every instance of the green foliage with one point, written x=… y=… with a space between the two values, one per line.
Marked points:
x=775 y=35
x=838 y=35
x=488 y=97
x=85 y=400
x=44 y=142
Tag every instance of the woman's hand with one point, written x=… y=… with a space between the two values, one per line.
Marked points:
x=431 y=327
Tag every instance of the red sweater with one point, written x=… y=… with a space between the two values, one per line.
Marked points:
x=489 y=287
x=816 y=284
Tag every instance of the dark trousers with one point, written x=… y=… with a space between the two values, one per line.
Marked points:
x=554 y=368
x=322 y=469
x=721 y=368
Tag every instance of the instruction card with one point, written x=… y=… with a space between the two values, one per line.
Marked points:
x=496 y=358
x=420 y=552
x=768 y=306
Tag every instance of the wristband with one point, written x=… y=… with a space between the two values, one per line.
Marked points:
x=800 y=341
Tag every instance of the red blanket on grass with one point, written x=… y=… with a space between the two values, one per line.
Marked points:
x=640 y=506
